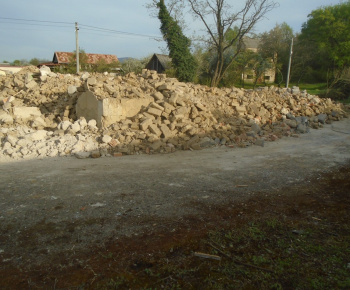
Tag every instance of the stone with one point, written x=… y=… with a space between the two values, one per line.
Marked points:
x=64 y=125
x=12 y=140
x=106 y=139
x=95 y=154
x=322 y=118
x=85 y=76
x=155 y=112
x=291 y=123
x=158 y=96
x=82 y=155
x=207 y=142
x=31 y=85
x=256 y=128
x=302 y=128
x=156 y=145
x=26 y=112
x=154 y=129
x=260 y=142
x=92 y=123
x=75 y=127
x=72 y=90
x=145 y=124
x=5 y=118
x=38 y=122
x=44 y=70
x=37 y=135
x=167 y=133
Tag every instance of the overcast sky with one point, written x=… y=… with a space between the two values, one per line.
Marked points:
x=129 y=30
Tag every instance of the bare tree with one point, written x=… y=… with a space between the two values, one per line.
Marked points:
x=225 y=19
x=243 y=21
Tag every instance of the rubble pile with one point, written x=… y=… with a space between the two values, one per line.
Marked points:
x=44 y=114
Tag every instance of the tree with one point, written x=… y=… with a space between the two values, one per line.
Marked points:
x=328 y=28
x=178 y=45
x=225 y=20
x=307 y=62
x=18 y=62
x=135 y=65
x=36 y=61
x=83 y=61
x=275 y=45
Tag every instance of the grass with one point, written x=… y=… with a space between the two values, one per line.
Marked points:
x=318 y=89
x=270 y=254
x=301 y=242
x=314 y=89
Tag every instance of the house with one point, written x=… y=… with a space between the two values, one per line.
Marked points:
x=159 y=63
x=62 y=59
x=248 y=76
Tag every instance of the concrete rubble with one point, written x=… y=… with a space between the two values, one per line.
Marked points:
x=46 y=114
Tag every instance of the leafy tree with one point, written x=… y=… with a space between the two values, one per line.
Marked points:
x=83 y=62
x=307 y=63
x=37 y=61
x=102 y=66
x=178 y=44
x=329 y=29
x=34 y=61
x=135 y=65
x=275 y=45
x=18 y=62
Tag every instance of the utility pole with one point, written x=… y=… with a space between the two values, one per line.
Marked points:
x=290 y=63
x=77 y=45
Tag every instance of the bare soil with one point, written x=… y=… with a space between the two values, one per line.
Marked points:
x=67 y=223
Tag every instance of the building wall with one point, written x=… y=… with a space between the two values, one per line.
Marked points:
x=10 y=69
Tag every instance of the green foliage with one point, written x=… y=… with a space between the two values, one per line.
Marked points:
x=36 y=61
x=103 y=66
x=328 y=29
x=275 y=45
x=83 y=59
x=135 y=65
x=18 y=62
x=178 y=44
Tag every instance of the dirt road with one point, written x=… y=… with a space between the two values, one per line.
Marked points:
x=53 y=209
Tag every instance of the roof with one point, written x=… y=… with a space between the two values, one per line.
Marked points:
x=93 y=58
x=164 y=59
x=251 y=43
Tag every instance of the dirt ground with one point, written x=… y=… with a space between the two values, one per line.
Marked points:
x=60 y=217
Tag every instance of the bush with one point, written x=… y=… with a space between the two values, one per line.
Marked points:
x=339 y=91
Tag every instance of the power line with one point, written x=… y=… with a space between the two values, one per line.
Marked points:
x=32 y=20
x=84 y=26
x=94 y=28
x=33 y=24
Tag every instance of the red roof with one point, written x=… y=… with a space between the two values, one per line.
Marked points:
x=93 y=58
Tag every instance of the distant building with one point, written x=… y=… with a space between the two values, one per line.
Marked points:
x=8 y=68
x=159 y=63
x=248 y=76
x=62 y=59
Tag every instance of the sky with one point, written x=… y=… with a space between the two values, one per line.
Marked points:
x=38 y=28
